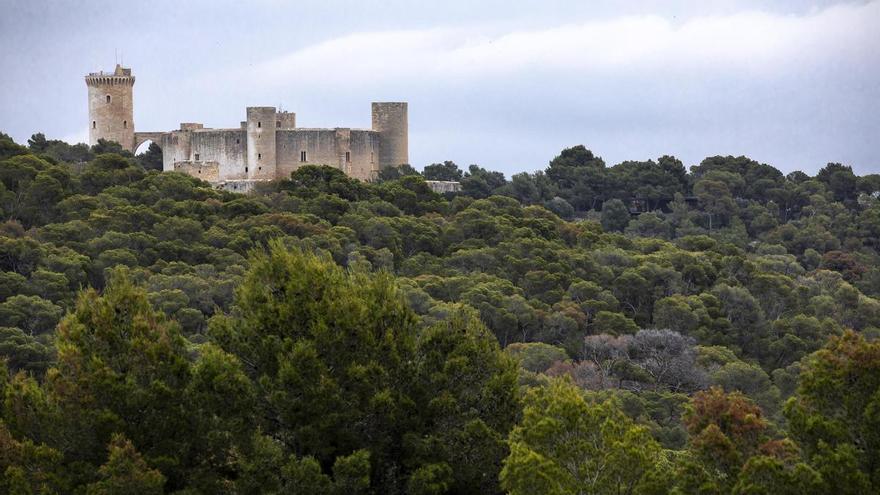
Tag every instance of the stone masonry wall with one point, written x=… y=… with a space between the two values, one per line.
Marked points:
x=261 y=148
x=391 y=121
x=112 y=120
x=364 y=146
x=328 y=147
x=228 y=147
x=208 y=171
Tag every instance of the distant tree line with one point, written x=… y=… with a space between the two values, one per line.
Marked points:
x=639 y=329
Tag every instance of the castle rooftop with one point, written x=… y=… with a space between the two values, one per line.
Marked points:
x=120 y=71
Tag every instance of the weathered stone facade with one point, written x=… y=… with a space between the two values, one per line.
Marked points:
x=391 y=122
x=208 y=171
x=111 y=109
x=444 y=186
x=266 y=146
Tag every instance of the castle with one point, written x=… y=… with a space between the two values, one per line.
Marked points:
x=266 y=146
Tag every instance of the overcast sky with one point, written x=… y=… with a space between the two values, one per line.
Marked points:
x=506 y=84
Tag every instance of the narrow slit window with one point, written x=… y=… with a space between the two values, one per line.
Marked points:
x=348 y=157
x=108 y=98
x=125 y=124
x=302 y=156
x=259 y=168
x=197 y=159
x=94 y=125
x=259 y=124
x=238 y=141
x=245 y=170
x=259 y=156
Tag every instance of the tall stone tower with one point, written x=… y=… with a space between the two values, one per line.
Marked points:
x=111 y=109
x=391 y=122
x=261 y=127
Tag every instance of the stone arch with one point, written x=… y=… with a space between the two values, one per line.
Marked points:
x=142 y=137
x=143 y=145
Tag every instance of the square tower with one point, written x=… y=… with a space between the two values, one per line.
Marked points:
x=111 y=107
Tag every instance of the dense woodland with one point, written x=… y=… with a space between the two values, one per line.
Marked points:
x=628 y=329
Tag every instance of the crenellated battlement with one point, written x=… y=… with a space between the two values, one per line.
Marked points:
x=120 y=75
x=100 y=80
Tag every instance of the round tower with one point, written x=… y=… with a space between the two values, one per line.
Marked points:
x=391 y=122
x=261 y=127
x=111 y=108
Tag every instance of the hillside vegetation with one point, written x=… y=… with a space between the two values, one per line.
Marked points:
x=638 y=328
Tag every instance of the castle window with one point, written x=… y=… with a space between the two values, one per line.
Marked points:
x=277 y=123
x=94 y=125
x=125 y=124
x=259 y=168
x=302 y=156
x=238 y=141
x=348 y=157
x=108 y=98
x=259 y=124
x=197 y=159
x=259 y=156
x=245 y=170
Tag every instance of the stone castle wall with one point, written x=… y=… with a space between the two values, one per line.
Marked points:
x=444 y=186
x=365 y=149
x=228 y=147
x=354 y=151
x=209 y=171
x=267 y=145
x=319 y=145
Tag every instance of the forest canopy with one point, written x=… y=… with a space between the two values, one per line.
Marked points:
x=639 y=328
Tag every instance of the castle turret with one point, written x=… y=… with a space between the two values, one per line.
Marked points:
x=391 y=122
x=111 y=109
x=286 y=120
x=261 y=127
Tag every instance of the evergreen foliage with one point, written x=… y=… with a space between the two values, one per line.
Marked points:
x=636 y=328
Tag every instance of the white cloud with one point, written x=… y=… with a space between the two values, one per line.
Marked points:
x=749 y=41
x=792 y=90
